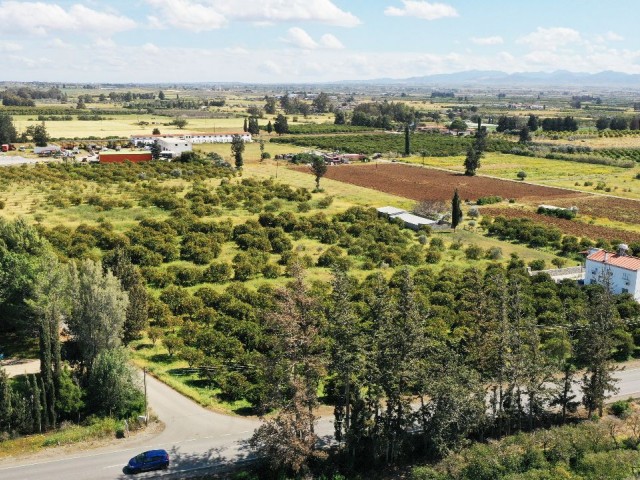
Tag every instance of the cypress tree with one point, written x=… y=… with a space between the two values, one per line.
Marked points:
x=407 y=141
x=456 y=211
x=5 y=402
x=46 y=370
x=43 y=404
x=36 y=405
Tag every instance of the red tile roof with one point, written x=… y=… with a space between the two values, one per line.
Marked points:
x=622 y=261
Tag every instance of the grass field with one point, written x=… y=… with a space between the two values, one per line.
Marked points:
x=97 y=429
x=556 y=173
x=123 y=126
x=174 y=372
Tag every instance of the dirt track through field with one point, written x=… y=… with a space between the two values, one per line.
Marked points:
x=419 y=183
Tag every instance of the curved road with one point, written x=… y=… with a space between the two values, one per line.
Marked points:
x=197 y=440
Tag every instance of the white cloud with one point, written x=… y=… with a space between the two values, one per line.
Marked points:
x=551 y=38
x=422 y=9
x=300 y=39
x=199 y=15
x=613 y=37
x=330 y=41
x=39 y=18
x=150 y=48
x=10 y=47
x=495 y=40
x=104 y=43
x=187 y=15
x=237 y=50
x=59 y=43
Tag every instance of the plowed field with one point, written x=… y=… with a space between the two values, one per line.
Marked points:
x=570 y=227
x=420 y=183
x=618 y=209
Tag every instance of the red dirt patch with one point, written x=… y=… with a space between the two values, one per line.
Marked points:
x=419 y=183
x=569 y=227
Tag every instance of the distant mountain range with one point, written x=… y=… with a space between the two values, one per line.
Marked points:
x=493 y=78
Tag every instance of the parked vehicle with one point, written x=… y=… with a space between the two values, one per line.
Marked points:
x=150 y=460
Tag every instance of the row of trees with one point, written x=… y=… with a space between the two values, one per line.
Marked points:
x=100 y=311
x=618 y=123
x=405 y=381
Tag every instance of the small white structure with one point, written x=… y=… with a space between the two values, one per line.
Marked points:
x=173 y=147
x=412 y=221
x=408 y=219
x=389 y=212
x=624 y=270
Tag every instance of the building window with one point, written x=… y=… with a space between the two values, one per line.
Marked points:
x=625 y=290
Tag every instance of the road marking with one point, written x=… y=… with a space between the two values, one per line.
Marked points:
x=113 y=466
x=66 y=459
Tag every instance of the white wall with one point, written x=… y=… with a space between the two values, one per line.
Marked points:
x=621 y=278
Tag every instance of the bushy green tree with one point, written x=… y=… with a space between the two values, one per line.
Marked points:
x=113 y=386
x=99 y=310
x=237 y=148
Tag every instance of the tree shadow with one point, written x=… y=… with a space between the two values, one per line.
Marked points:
x=144 y=346
x=212 y=462
x=161 y=358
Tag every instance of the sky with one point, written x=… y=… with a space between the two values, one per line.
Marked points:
x=309 y=41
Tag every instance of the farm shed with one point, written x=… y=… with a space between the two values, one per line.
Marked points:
x=412 y=221
x=121 y=157
x=389 y=212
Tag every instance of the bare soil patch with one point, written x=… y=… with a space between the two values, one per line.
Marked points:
x=419 y=183
x=569 y=227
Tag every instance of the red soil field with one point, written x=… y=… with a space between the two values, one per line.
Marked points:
x=569 y=227
x=419 y=183
x=618 y=209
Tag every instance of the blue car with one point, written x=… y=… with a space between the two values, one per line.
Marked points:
x=151 y=460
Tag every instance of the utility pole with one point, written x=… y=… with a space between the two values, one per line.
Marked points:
x=146 y=404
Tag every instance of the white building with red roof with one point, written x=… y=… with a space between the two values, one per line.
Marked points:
x=194 y=138
x=623 y=268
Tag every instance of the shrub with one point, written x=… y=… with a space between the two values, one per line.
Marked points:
x=537 y=264
x=271 y=271
x=325 y=202
x=265 y=155
x=489 y=200
x=494 y=253
x=473 y=252
x=329 y=257
x=436 y=243
x=522 y=175
x=564 y=213
x=304 y=207
x=621 y=408
x=433 y=256
x=218 y=273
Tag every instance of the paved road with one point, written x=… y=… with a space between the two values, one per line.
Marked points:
x=197 y=439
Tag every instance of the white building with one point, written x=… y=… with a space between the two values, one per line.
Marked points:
x=194 y=138
x=173 y=147
x=389 y=212
x=412 y=221
x=623 y=268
